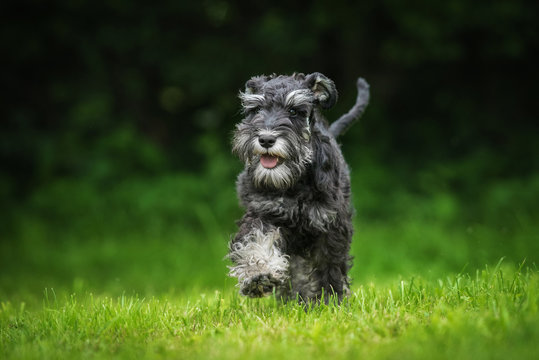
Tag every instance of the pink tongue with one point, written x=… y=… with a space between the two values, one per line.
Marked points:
x=269 y=161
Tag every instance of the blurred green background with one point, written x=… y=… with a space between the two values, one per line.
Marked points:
x=116 y=170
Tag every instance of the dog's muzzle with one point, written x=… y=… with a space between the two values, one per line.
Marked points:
x=267 y=160
x=270 y=148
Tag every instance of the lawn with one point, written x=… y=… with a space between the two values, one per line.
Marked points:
x=133 y=272
x=491 y=315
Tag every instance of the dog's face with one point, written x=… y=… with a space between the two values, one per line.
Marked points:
x=274 y=138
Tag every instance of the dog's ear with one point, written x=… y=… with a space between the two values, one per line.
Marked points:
x=323 y=88
x=254 y=84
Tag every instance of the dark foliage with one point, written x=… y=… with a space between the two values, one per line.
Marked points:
x=107 y=90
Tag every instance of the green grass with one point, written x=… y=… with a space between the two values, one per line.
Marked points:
x=137 y=271
x=491 y=315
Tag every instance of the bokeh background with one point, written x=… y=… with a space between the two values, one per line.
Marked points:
x=116 y=171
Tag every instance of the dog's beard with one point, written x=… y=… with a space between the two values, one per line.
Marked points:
x=280 y=177
x=291 y=164
x=292 y=154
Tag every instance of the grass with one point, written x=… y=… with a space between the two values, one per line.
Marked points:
x=137 y=271
x=491 y=315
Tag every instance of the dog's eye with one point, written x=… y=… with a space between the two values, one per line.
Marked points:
x=251 y=110
x=297 y=113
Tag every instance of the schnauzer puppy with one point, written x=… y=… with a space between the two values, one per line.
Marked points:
x=294 y=239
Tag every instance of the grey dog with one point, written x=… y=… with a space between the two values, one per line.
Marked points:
x=294 y=239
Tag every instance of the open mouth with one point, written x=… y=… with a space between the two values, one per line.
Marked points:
x=269 y=161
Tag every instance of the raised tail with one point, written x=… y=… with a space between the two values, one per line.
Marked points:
x=344 y=122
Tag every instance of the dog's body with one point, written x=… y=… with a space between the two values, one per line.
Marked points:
x=295 y=236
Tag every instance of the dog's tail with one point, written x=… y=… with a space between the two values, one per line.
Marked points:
x=344 y=122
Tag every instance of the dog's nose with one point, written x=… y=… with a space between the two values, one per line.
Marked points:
x=267 y=141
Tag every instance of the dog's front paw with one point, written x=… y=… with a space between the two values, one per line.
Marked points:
x=259 y=286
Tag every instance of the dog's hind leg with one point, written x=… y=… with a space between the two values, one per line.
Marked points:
x=332 y=262
x=302 y=283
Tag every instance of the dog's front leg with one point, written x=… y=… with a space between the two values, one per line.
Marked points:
x=280 y=210
x=259 y=263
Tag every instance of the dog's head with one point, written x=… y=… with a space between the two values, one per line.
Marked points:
x=275 y=137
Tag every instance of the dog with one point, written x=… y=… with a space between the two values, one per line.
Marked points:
x=294 y=238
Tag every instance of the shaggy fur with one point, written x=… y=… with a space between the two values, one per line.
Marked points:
x=294 y=238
